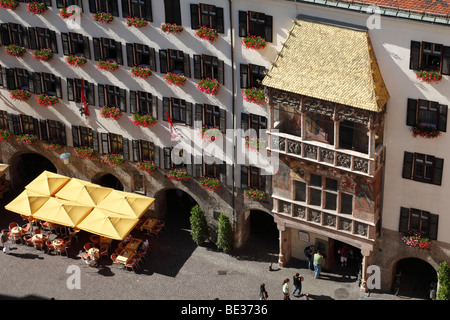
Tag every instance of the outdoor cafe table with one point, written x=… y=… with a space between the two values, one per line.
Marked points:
x=94 y=252
x=150 y=223
x=125 y=256
x=58 y=242
x=16 y=231
x=133 y=244
x=37 y=238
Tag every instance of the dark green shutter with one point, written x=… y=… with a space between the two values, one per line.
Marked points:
x=244 y=75
x=70 y=92
x=123 y=100
x=87 y=49
x=221 y=72
x=95 y=144
x=101 y=95
x=242 y=23
x=411 y=112
x=244 y=176
x=133 y=102
x=187 y=65
x=438 y=166
x=223 y=121
x=136 y=153
x=189 y=114
x=197 y=66
x=97 y=51
x=219 y=20
x=125 y=9
x=434 y=221
x=407 y=165
x=75 y=138
x=119 y=54
x=195 y=22
x=268 y=28
x=446 y=61
x=155 y=107
x=442 y=120
x=414 y=62
x=53 y=44
x=163 y=61
x=130 y=54
x=404 y=220
x=166 y=108
x=126 y=149
x=65 y=43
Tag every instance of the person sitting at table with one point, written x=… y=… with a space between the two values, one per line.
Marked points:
x=91 y=261
x=145 y=244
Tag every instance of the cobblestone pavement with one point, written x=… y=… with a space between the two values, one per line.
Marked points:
x=176 y=269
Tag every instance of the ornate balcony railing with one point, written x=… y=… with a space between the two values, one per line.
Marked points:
x=325 y=154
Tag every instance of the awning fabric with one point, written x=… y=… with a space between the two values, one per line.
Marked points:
x=81 y=204
x=329 y=61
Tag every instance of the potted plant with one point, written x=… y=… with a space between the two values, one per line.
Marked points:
x=177 y=175
x=106 y=65
x=210 y=134
x=429 y=76
x=147 y=166
x=9 y=4
x=51 y=146
x=42 y=54
x=175 y=79
x=416 y=240
x=103 y=17
x=255 y=144
x=171 y=28
x=76 y=61
x=36 y=7
x=20 y=95
x=254 y=42
x=110 y=113
x=140 y=72
x=26 y=139
x=254 y=194
x=425 y=131
x=142 y=120
x=209 y=86
x=16 y=51
x=210 y=183
x=254 y=95
x=65 y=13
x=199 y=225
x=46 y=100
x=207 y=34
x=224 y=234
x=136 y=22
x=5 y=134
x=114 y=159
x=84 y=152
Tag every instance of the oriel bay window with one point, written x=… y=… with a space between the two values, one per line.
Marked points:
x=207 y=15
x=107 y=49
x=141 y=55
x=353 y=136
x=85 y=137
x=143 y=103
x=74 y=91
x=211 y=116
x=178 y=110
x=422 y=167
x=206 y=66
x=116 y=144
x=175 y=61
x=107 y=6
x=428 y=113
x=419 y=221
x=320 y=128
x=75 y=44
x=137 y=9
x=430 y=56
x=112 y=96
x=255 y=24
x=252 y=75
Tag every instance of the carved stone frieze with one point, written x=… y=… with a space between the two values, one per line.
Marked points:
x=361 y=229
x=344 y=160
x=310 y=151
x=286 y=99
x=361 y=165
x=345 y=224
x=330 y=220
x=318 y=106
x=327 y=156
x=294 y=147
x=314 y=215
x=300 y=212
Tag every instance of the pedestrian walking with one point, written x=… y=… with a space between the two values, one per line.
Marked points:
x=5 y=243
x=263 y=295
x=286 y=289
x=297 y=284
x=318 y=259
x=344 y=252
x=309 y=251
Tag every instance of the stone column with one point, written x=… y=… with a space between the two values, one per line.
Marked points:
x=285 y=245
x=366 y=262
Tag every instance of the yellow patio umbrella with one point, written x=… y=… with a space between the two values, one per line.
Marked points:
x=62 y=212
x=108 y=224
x=27 y=203
x=83 y=192
x=47 y=183
x=126 y=203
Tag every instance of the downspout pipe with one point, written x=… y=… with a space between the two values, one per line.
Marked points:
x=233 y=108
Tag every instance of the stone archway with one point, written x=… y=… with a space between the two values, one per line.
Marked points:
x=24 y=167
x=108 y=180
x=416 y=277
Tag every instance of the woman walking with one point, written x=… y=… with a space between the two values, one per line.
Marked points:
x=286 y=289
x=263 y=295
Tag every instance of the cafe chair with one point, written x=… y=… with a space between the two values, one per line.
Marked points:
x=60 y=249
x=12 y=225
x=27 y=240
x=67 y=241
x=37 y=231
x=87 y=246
x=73 y=234
x=39 y=245
x=132 y=264
x=95 y=239
x=26 y=228
x=50 y=247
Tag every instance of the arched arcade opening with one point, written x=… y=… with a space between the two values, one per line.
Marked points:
x=25 y=167
x=413 y=278
x=109 y=181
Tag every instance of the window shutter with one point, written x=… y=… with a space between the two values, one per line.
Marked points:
x=105 y=145
x=70 y=92
x=123 y=100
x=189 y=114
x=167 y=158
x=220 y=72
x=126 y=149
x=223 y=173
x=114 y=8
x=268 y=28
x=195 y=23
x=62 y=131
x=125 y=9
x=65 y=43
x=187 y=65
x=414 y=62
x=434 y=221
x=219 y=17
x=92 y=6
x=152 y=59
x=54 y=45
x=244 y=76
x=119 y=52
x=148 y=11
x=95 y=144
x=446 y=61
x=133 y=102
x=87 y=49
x=37 y=83
x=242 y=23
x=10 y=79
x=244 y=176
x=223 y=121
x=157 y=156
x=135 y=147
x=130 y=56
x=5 y=34
x=163 y=61
x=438 y=166
x=166 y=108
x=190 y=167
x=404 y=220
x=101 y=95
x=43 y=125
x=36 y=128
x=155 y=107
x=199 y=113
x=32 y=42
x=197 y=66
x=75 y=139
x=244 y=122
x=58 y=87
x=442 y=121
x=268 y=189
x=90 y=94
x=407 y=165
x=60 y=3
x=97 y=51
x=411 y=112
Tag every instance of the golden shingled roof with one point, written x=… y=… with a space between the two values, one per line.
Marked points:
x=329 y=62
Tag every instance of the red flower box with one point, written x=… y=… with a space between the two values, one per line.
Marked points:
x=65 y=14
x=171 y=28
x=46 y=100
x=209 y=86
x=142 y=120
x=114 y=159
x=16 y=51
x=424 y=131
x=429 y=76
x=110 y=66
x=51 y=146
x=207 y=34
x=9 y=4
x=136 y=22
x=210 y=183
x=36 y=7
x=254 y=95
x=147 y=166
x=42 y=55
x=175 y=79
x=84 y=152
x=254 y=194
x=177 y=175
x=111 y=113
x=76 y=61
x=210 y=134
x=5 y=134
x=103 y=17
x=140 y=72
x=26 y=139
x=20 y=95
x=254 y=42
